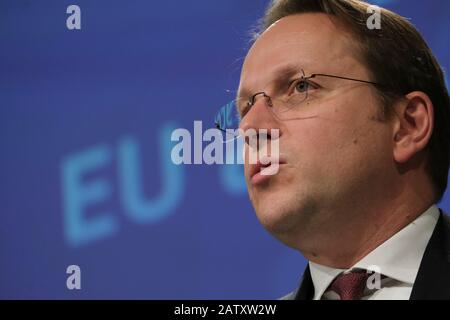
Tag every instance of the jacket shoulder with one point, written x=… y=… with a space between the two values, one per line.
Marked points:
x=433 y=277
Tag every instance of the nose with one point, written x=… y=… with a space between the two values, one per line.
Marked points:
x=260 y=118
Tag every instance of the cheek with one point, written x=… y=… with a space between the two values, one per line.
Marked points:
x=316 y=137
x=332 y=142
x=343 y=123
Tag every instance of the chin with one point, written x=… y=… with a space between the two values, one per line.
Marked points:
x=276 y=212
x=284 y=215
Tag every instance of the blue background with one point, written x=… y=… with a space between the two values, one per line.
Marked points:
x=84 y=123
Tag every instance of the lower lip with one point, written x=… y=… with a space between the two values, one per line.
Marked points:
x=258 y=178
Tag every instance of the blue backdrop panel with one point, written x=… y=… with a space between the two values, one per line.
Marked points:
x=85 y=123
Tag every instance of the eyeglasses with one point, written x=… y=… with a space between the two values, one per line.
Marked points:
x=285 y=107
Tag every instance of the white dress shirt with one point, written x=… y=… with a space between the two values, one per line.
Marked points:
x=398 y=258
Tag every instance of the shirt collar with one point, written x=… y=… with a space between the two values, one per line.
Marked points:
x=398 y=258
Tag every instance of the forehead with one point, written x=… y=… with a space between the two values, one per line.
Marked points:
x=312 y=42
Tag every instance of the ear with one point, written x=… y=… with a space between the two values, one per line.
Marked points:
x=414 y=125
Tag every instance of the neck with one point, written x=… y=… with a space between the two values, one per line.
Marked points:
x=341 y=243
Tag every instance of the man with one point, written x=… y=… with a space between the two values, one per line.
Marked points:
x=363 y=118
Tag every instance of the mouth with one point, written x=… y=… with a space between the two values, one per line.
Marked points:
x=265 y=169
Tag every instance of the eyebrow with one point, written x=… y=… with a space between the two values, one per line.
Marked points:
x=279 y=76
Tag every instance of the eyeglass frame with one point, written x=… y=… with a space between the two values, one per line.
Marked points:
x=252 y=99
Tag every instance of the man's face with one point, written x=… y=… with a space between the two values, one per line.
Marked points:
x=333 y=159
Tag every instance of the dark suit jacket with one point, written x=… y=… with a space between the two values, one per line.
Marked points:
x=433 y=277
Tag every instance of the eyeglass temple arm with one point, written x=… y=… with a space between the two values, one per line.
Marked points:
x=345 y=78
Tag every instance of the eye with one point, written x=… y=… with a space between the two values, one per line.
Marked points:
x=302 y=86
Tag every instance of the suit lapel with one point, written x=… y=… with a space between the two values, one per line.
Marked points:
x=433 y=277
x=306 y=289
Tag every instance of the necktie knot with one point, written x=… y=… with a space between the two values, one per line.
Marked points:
x=351 y=285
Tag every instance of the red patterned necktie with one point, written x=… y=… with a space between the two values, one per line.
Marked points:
x=351 y=285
